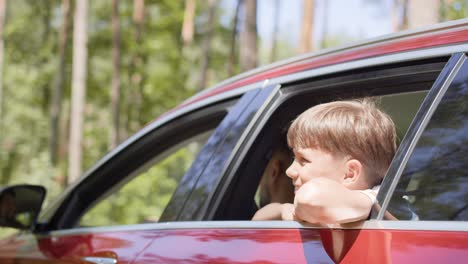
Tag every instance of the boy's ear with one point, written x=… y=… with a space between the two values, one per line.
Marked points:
x=353 y=172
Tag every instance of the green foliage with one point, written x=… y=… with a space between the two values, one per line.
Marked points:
x=456 y=9
x=167 y=75
x=28 y=69
x=144 y=198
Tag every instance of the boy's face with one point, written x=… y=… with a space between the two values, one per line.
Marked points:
x=311 y=163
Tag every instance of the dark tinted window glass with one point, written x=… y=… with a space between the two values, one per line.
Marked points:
x=434 y=185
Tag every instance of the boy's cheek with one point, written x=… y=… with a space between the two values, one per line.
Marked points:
x=307 y=191
x=308 y=176
x=320 y=183
x=314 y=179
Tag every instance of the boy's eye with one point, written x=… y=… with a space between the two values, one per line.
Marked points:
x=301 y=160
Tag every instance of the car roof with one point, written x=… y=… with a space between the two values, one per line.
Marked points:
x=443 y=34
x=440 y=35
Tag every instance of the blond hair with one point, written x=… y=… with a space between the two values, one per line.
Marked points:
x=353 y=128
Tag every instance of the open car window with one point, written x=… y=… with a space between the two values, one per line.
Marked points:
x=399 y=90
x=144 y=197
x=136 y=185
x=402 y=107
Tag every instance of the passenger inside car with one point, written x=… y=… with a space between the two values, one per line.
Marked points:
x=342 y=151
x=275 y=186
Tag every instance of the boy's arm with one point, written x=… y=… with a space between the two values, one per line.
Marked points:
x=325 y=201
x=275 y=211
x=268 y=212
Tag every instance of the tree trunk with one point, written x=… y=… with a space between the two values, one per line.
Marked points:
x=63 y=144
x=307 y=26
x=274 y=39
x=56 y=104
x=115 y=97
x=323 y=41
x=3 y=6
x=135 y=95
x=188 y=26
x=78 y=90
x=248 y=45
x=419 y=15
x=4 y=167
x=404 y=19
x=206 y=48
x=232 y=52
x=400 y=15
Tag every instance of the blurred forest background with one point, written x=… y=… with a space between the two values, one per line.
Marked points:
x=79 y=77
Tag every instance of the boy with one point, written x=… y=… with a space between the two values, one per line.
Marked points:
x=342 y=151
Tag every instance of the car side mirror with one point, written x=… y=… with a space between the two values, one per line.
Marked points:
x=20 y=205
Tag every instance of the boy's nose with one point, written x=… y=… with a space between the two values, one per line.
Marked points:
x=291 y=172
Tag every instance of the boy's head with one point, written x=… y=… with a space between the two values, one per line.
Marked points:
x=355 y=130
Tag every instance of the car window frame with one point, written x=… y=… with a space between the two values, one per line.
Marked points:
x=69 y=208
x=291 y=89
x=198 y=202
x=416 y=129
x=160 y=157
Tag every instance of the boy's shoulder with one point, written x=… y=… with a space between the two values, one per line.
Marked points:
x=371 y=193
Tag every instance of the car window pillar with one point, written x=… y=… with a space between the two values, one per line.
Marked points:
x=223 y=145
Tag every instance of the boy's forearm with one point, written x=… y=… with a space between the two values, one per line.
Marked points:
x=269 y=212
x=325 y=201
x=309 y=205
x=276 y=211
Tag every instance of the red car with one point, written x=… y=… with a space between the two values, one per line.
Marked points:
x=216 y=145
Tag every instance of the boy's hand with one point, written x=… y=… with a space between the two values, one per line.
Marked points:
x=276 y=211
x=271 y=211
x=325 y=201
x=287 y=212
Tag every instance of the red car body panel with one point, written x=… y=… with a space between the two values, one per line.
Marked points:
x=403 y=246
x=124 y=246
x=222 y=245
x=306 y=246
